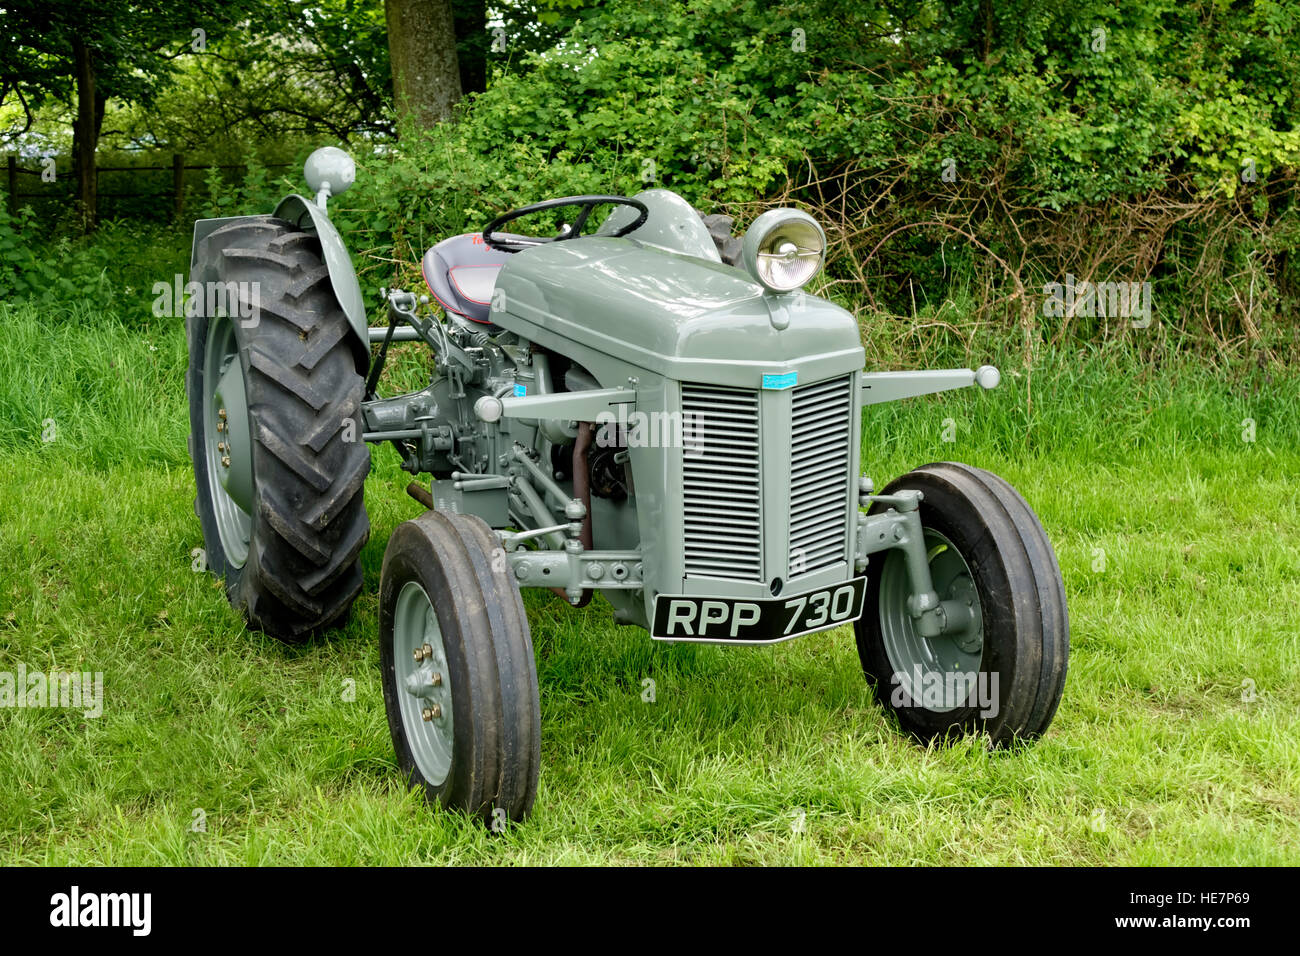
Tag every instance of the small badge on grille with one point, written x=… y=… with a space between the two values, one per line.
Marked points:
x=775 y=380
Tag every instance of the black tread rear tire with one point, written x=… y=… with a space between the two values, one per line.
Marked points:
x=1026 y=622
x=310 y=463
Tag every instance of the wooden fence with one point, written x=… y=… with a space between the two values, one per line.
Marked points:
x=176 y=193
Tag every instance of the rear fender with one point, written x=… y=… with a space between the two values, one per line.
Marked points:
x=309 y=217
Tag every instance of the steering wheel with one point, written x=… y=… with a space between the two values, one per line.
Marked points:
x=513 y=243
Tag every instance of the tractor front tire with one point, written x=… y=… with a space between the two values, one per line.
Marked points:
x=457 y=667
x=275 y=431
x=999 y=672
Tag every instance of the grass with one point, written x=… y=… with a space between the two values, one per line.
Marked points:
x=1176 y=741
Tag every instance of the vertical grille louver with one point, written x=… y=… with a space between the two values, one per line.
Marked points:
x=820 y=440
x=720 y=482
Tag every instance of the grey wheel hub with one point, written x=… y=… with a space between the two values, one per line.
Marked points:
x=423 y=681
x=937 y=673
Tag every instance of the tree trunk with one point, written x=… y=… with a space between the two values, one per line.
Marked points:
x=422 y=48
x=85 y=132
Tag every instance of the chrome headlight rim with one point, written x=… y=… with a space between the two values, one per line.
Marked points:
x=766 y=250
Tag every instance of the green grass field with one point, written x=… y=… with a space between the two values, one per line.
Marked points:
x=1176 y=741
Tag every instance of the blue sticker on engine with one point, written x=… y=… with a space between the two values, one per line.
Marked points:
x=520 y=391
x=782 y=380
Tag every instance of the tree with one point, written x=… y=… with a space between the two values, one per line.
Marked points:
x=111 y=49
x=323 y=71
x=472 y=42
x=422 y=51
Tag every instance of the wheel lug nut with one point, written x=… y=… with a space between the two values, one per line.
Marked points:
x=427 y=713
x=422 y=652
x=221 y=446
x=436 y=680
x=436 y=710
x=225 y=460
x=221 y=413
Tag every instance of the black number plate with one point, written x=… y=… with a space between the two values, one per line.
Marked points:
x=741 y=621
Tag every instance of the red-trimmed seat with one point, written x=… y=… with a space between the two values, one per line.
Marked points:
x=461 y=272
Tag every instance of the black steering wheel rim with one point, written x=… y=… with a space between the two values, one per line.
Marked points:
x=587 y=202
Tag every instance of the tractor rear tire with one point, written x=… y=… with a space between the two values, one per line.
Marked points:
x=275 y=429
x=720 y=231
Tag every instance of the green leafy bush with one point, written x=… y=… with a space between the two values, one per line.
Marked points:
x=119 y=264
x=963 y=152
x=34 y=266
x=971 y=149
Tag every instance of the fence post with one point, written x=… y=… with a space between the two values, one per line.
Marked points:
x=13 y=185
x=178 y=182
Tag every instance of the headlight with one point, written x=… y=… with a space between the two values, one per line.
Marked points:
x=783 y=249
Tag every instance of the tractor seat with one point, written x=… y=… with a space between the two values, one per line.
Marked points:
x=461 y=272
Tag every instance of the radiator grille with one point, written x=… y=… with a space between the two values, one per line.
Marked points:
x=720 y=480
x=820 y=441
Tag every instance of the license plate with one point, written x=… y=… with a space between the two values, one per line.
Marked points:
x=723 y=620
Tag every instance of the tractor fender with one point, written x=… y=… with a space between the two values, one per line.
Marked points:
x=309 y=217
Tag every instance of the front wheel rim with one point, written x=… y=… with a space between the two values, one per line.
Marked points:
x=936 y=673
x=423 y=683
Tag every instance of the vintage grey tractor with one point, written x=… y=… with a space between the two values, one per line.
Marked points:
x=627 y=401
